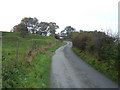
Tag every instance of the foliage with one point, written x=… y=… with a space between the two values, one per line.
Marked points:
x=43 y=30
x=57 y=36
x=46 y=28
x=52 y=27
x=96 y=42
x=31 y=23
x=33 y=26
x=21 y=28
x=106 y=68
x=102 y=47
x=31 y=69
x=108 y=49
x=68 y=31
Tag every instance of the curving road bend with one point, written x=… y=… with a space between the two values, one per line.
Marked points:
x=69 y=71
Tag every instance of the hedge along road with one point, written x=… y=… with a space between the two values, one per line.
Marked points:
x=69 y=71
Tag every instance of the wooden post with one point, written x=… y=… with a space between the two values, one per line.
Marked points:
x=17 y=49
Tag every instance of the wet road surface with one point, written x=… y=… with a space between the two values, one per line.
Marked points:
x=69 y=71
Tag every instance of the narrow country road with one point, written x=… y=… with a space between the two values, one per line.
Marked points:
x=69 y=71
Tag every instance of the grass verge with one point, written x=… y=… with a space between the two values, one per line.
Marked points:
x=26 y=65
x=107 y=68
x=38 y=72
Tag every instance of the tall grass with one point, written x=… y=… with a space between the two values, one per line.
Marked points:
x=31 y=68
x=102 y=66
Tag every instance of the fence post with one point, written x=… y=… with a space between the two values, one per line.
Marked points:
x=17 y=49
x=35 y=46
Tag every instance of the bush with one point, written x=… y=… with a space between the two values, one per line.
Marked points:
x=103 y=46
x=100 y=51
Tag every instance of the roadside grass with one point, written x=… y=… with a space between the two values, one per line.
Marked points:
x=37 y=74
x=41 y=65
x=55 y=47
x=107 y=68
x=31 y=68
x=39 y=71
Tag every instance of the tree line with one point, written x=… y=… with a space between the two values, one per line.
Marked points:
x=32 y=25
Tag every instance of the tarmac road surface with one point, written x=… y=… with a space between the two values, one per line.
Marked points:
x=69 y=71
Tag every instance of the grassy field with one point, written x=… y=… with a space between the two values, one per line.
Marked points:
x=106 y=68
x=26 y=61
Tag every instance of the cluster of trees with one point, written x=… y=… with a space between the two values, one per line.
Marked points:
x=67 y=32
x=21 y=28
x=32 y=25
x=97 y=43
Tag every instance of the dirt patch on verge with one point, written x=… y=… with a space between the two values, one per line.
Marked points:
x=29 y=54
x=49 y=53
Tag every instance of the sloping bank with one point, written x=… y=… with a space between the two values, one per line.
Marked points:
x=37 y=75
x=26 y=61
x=102 y=67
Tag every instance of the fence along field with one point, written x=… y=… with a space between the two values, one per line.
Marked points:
x=18 y=55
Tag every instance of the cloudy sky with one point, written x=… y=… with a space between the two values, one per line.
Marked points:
x=80 y=14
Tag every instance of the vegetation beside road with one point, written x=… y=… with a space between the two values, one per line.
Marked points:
x=99 y=50
x=27 y=50
x=25 y=61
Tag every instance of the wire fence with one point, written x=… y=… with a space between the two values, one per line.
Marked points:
x=19 y=53
x=28 y=48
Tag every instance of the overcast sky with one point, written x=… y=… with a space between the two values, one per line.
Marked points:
x=80 y=14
